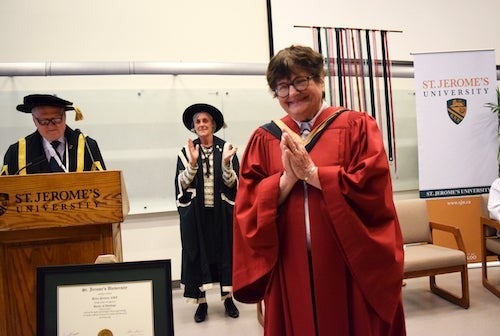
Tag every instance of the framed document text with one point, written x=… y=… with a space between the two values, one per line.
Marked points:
x=128 y=298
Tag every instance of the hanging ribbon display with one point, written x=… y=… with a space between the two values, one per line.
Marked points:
x=358 y=70
x=340 y=72
x=369 y=62
x=388 y=112
x=391 y=105
x=329 y=69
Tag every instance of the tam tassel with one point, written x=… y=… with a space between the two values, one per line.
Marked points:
x=78 y=114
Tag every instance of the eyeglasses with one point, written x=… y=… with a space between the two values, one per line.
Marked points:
x=53 y=121
x=299 y=83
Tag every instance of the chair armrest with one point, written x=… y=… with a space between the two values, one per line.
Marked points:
x=487 y=226
x=453 y=230
x=492 y=223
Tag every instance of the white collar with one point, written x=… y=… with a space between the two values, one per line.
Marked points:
x=311 y=122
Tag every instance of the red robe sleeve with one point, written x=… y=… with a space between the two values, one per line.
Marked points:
x=255 y=237
x=359 y=200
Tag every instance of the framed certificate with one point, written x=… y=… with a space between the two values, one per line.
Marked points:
x=128 y=298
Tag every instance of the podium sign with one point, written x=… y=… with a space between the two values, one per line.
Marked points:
x=53 y=219
x=62 y=199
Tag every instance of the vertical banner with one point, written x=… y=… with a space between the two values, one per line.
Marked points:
x=457 y=134
x=457 y=139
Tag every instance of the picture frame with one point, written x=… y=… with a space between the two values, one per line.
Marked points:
x=94 y=299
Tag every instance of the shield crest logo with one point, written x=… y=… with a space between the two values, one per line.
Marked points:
x=457 y=108
x=4 y=198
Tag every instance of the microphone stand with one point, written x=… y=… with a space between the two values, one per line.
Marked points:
x=36 y=161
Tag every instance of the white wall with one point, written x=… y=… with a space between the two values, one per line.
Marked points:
x=425 y=25
x=218 y=31
x=125 y=30
x=232 y=31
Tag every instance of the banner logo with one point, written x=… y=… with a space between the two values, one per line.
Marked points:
x=4 y=198
x=457 y=108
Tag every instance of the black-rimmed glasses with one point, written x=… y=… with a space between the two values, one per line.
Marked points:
x=53 y=121
x=299 y=83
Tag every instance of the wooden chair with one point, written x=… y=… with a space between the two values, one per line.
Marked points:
x=490 y=244
x=423 y=258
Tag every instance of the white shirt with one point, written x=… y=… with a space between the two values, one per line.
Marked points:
x=61 y=149
x=494 y=201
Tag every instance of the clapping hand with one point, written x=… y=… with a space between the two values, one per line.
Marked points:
x=229 y=154
x=194 y=153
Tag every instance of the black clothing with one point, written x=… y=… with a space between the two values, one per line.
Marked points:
x=36 y=160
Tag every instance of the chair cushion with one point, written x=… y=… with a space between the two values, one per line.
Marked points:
x=493 y=244
x=429 y=256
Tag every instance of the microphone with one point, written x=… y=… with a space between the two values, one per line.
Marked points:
x=34 y=162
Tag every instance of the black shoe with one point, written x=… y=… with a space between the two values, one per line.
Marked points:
x=231 y=309
x=201 y=312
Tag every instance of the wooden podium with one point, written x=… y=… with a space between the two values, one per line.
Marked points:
x=53 y=219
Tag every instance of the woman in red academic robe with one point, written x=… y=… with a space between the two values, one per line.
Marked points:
x=316 y=234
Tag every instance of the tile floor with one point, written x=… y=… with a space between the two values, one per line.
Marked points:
x=426 y=313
